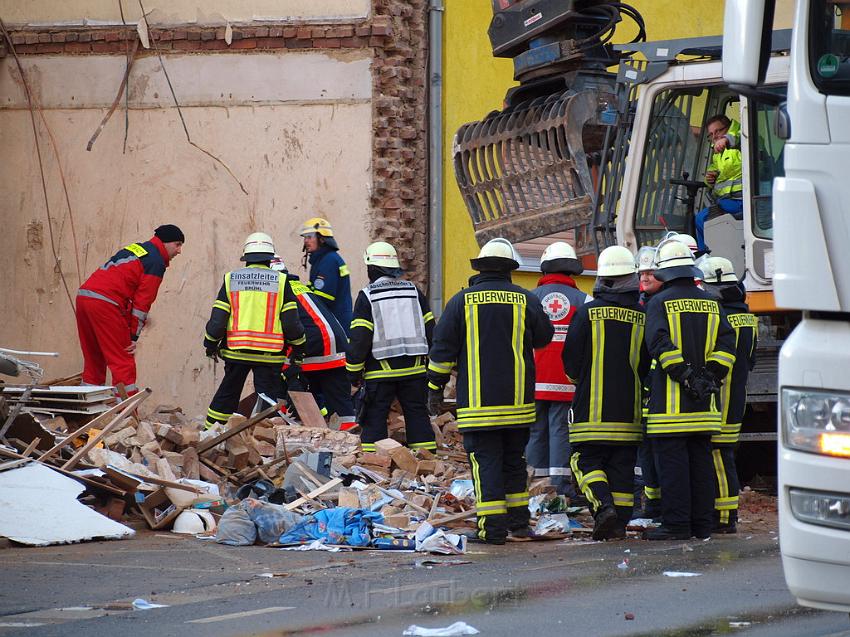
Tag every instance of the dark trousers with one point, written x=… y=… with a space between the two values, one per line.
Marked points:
x=501 y=481
x=411 y=393
x=686 y=475
x=332 y=387
x=267 y=380
x=649 y=480
x=605 y=475
x=727 y=485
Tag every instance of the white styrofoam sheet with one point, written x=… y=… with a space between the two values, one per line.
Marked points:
x=39 y=506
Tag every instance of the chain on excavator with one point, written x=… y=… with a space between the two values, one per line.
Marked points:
x=530 y=170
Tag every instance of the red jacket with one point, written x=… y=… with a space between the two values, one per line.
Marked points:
x=130 y=280
x=560 y=298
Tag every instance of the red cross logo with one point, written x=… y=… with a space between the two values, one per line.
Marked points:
x=555 y=306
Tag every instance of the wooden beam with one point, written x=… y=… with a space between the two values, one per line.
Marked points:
x=327 y=486
x=454 y=518
x=253 y=420
x=129 y=405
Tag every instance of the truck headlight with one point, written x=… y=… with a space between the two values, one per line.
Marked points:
x=816 y=421
x=823 y=509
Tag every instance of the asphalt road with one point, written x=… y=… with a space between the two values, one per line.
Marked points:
x=544 y=588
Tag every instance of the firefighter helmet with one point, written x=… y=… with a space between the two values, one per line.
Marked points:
x=258 y=248
x=718 y=270
x=560 y=257
x=615 y=261
x=687 y=239
x=497 y=254
x=674 y=260
x=317 y=225
x=278 y=263
x=645 y=259
x=381 y=254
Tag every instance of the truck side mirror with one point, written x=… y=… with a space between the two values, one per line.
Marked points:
x=747 y=33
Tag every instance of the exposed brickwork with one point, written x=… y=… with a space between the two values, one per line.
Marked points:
x=399 y=114
x=397 y=33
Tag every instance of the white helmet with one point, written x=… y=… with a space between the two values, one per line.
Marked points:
x=673 y=260
x=718 y=270
x=278 y=263
x=560 y=257
x=687 y=239
x=258 y=247
x=645 y=259
x=381 y=254
x=194 y=521
x=615 y=261
x=497 y=254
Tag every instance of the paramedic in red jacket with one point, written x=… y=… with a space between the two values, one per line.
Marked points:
x=113 y=305
x=548 y=450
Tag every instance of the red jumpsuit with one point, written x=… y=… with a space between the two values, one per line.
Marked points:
x=112 y=307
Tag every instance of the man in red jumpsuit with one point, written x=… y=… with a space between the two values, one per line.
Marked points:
x=113 y=305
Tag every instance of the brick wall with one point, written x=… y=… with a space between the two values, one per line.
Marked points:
x=397 y=34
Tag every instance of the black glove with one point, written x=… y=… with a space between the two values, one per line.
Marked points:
x=212 y=352
x=355 y=378
x=292 y=376
x=435 y=401
x=681 y=373
x=703 y=384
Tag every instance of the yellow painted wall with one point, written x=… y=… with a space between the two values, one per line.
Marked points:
x=475 y=83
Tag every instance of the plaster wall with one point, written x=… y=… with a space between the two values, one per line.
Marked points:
x=295 y=128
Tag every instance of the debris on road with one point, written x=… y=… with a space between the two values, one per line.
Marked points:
x=680 y=574
x=455 y=630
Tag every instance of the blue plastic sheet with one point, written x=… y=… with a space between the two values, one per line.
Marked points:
x=340 y=525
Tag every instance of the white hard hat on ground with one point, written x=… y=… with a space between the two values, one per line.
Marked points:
x=497 y=254
x=194 y=521
x=615 y=261
x=381 y=254
x=258 y=247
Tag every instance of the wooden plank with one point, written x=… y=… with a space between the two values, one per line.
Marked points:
x=454 y=518
x=253 y=420
x=129 y=405
x=26 y=452
x=313 y=494
x=96 y=422
x=165 y=483
x=308 y=411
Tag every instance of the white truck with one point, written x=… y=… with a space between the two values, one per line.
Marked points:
x=811 y=233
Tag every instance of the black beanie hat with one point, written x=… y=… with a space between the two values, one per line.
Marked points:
x=168 y=233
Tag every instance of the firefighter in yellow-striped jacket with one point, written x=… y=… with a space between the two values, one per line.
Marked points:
x=606 y=356
x=721 y=282
x=488 y=332
x=254 y=318
x=390 y=336
x=688 y=334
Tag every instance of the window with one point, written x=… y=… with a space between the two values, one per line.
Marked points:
x=767 y=163
x=677 y=149
x=829 y=46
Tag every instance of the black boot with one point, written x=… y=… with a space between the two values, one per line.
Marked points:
x=606 y=522
x=664 y=533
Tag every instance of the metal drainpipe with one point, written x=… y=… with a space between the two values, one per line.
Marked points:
x=435 y=156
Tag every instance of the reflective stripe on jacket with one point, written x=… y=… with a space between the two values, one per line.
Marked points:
x=489 y=332
x=733 y=394
x=255 y=315
x=560 y=299
x=685 y=326
x=605 y=353
x=326 y=340
x=365 y=325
